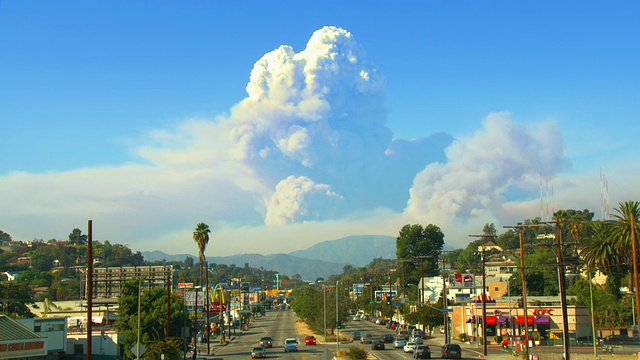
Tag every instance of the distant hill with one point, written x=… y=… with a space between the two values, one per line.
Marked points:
x=321 y=260
x=357 y=250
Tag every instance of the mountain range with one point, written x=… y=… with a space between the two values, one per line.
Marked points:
x=320 y=260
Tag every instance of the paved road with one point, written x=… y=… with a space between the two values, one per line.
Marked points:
x=279 y=324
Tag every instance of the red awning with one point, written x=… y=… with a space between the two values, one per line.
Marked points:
x=520 y=320
x=491 y=320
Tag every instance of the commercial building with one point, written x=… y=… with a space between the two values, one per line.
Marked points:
x=17 y=341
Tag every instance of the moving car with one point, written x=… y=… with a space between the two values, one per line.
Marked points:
x=399 y=343
x=366 y=339
x=357 y=335
x=410 y=347
x=377 y=344
x=310 y=340
x=387 y=338
x=416 y=339
x=617 y=339
x=451 y=351
x=290 y=344
x=422 y=352
x=258 y=352
x=266 y=342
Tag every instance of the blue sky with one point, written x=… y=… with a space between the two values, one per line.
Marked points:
x=149 y=117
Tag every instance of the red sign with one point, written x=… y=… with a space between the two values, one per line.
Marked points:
x=217 y=307
x=540 y=312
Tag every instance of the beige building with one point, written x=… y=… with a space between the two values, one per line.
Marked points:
x=504 y=318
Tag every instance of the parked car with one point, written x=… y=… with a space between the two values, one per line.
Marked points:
x=422 y=352
x=451 y=351
x=258 y=352
x=410 y=347
x=617 y=339
x=290 y=344
x=416 y=339
x=377 y=344
x=366 y=339
x=399 y=342
x=387 y=338
x=266 y=342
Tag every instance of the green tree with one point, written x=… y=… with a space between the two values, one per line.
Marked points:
x=76 y=237
x=420 y=246
x=625 y=232
x=4 y=236
x=14 y=297
x=600 y=250
x=153 y=319
x=429 y=316
x=201 y=237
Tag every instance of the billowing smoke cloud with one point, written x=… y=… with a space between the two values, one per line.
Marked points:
x=319 y=115
x=487 y=170
x=299 y=198
x=308 y=148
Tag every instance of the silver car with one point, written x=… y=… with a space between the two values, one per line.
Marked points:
x=399 y=343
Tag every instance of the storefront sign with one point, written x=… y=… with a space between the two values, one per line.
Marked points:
x=540 y=312
x=23 y=348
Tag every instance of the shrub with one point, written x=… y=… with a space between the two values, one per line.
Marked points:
x=357 y=353
x=462 y=336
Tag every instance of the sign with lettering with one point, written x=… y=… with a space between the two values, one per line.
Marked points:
x=23 y=348
x=541 y=311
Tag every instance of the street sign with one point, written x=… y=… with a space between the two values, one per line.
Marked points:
x=134 y=349
x=446 y=310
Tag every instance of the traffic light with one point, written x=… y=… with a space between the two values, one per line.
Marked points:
x=339 y=324
x=387 y=300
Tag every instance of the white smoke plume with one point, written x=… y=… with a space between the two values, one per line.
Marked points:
x=499 y=164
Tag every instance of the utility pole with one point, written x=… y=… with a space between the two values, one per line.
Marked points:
x=563 y=293
x=520 y=228
x=484 y=297
x=337 y=320
x=90 y=289
x=444 y=300
x=208 y=305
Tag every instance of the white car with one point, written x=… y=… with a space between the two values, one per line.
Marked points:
x=290 y=345
x=416 y=339
x=410 y=347
x=399 y=343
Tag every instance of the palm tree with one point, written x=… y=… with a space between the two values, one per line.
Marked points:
x=600 y=251
x=625 y=231
x=201 y=237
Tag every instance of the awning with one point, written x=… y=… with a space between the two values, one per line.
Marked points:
x=471 y=321
x=503 y=319
x=543 y=320
x=491 y=320
x=488 y=299
x=520 y=320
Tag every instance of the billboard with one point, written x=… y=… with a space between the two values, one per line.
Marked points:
x=381 y=294
x=357 y=288
x=462 y=281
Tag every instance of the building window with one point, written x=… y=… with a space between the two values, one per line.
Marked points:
x=37 y=328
